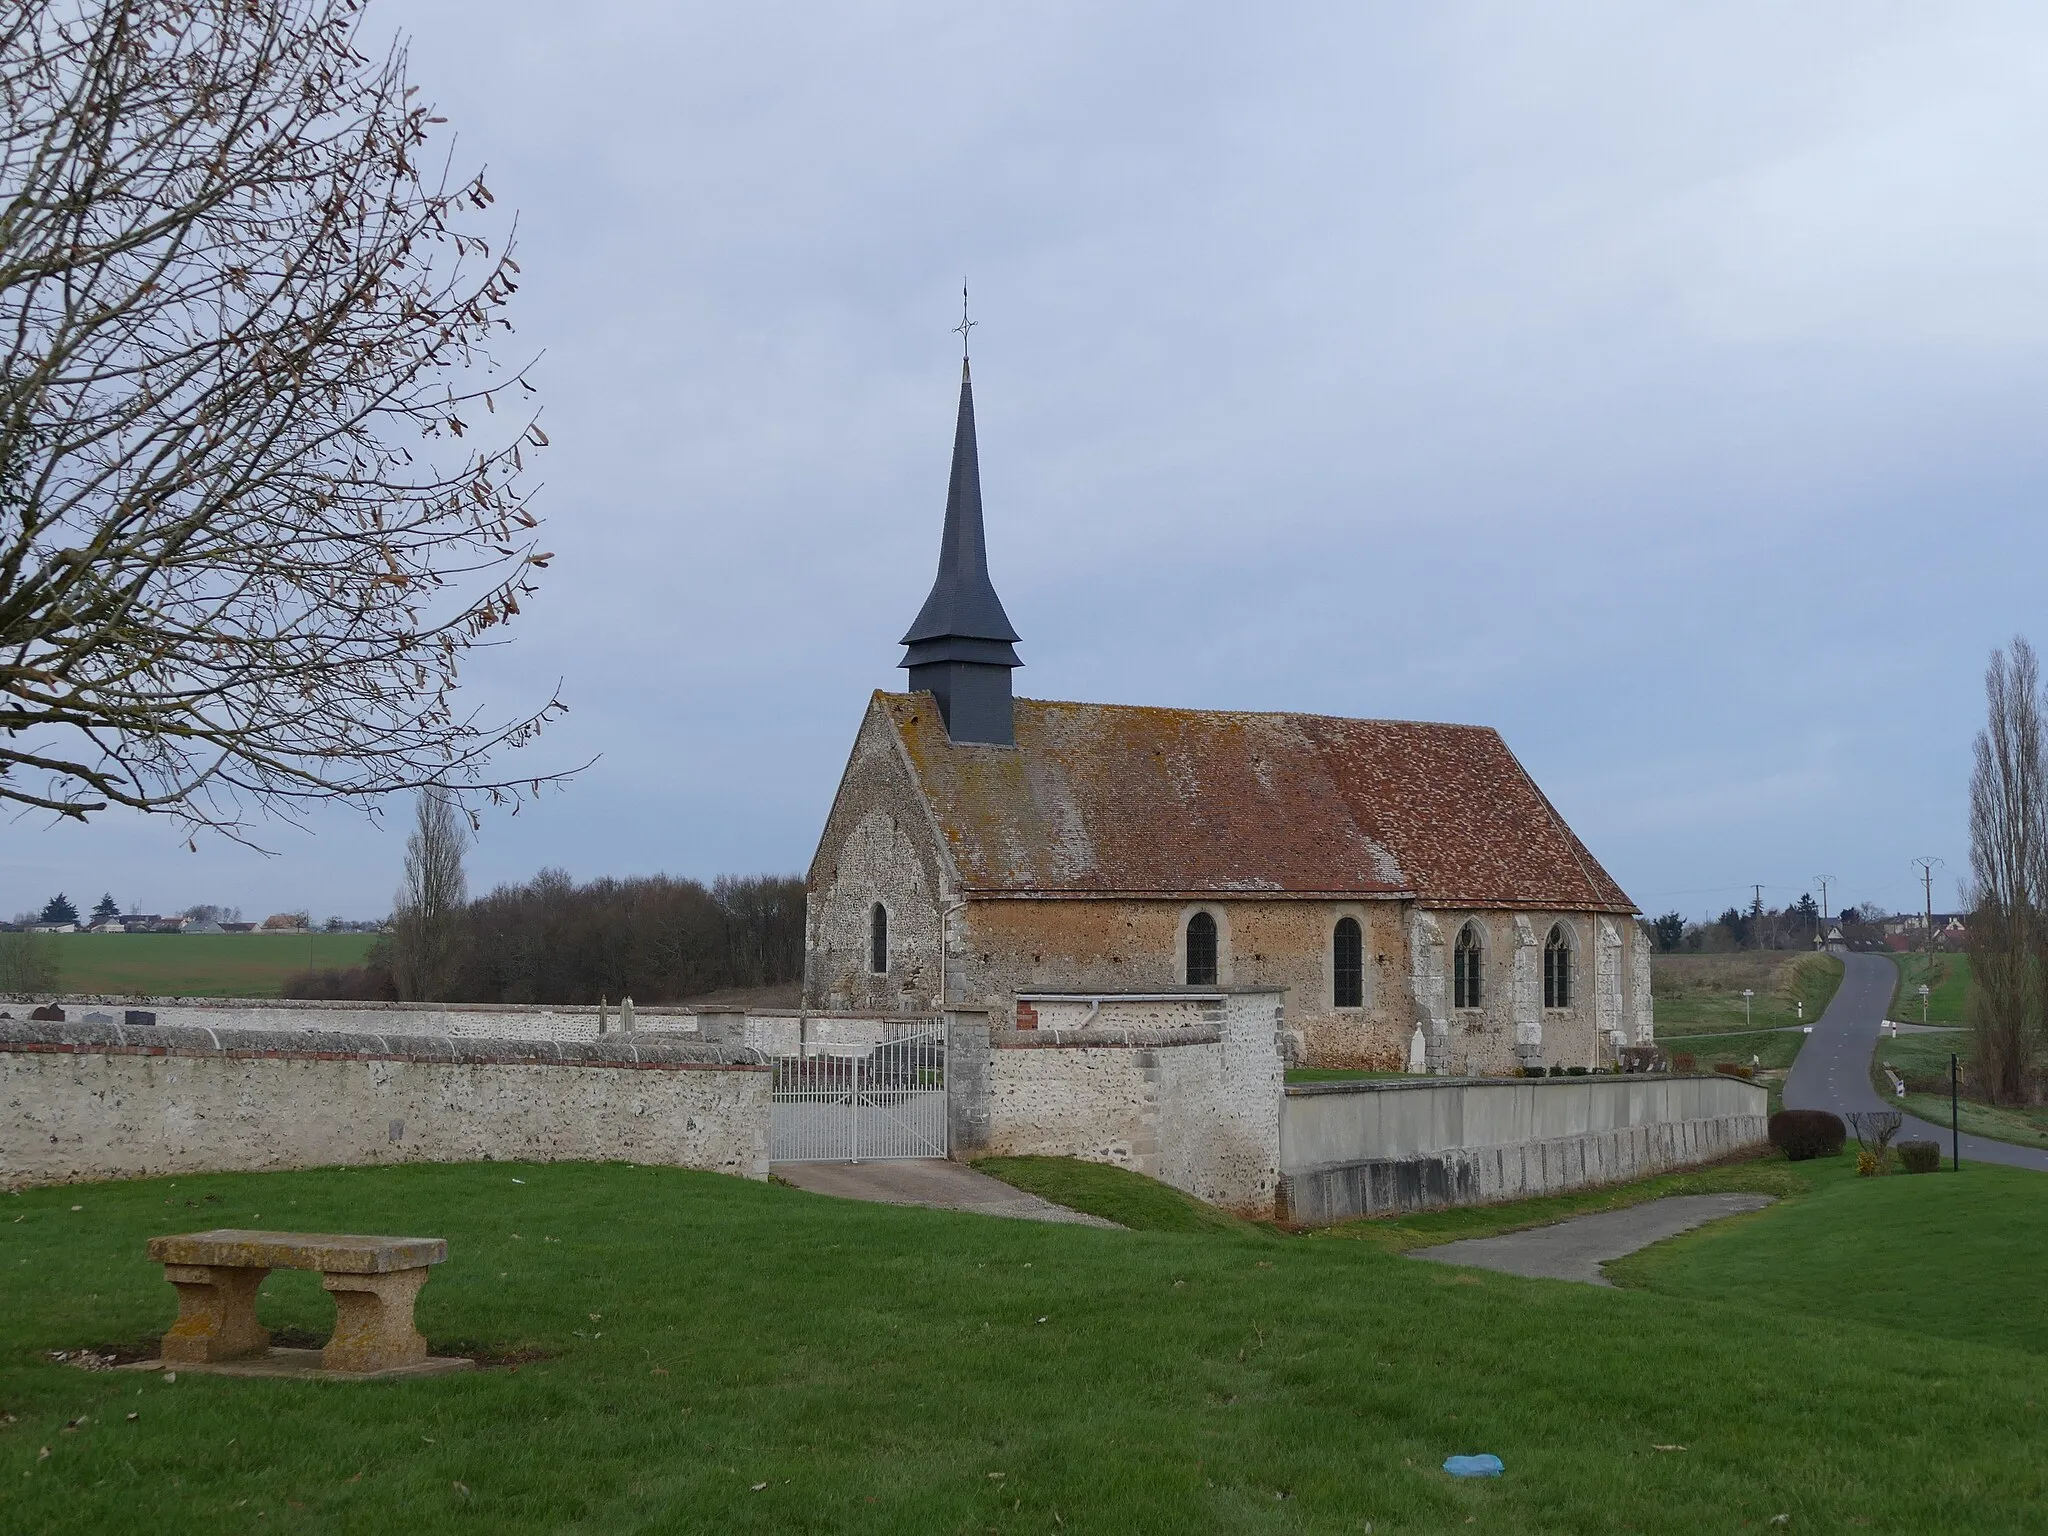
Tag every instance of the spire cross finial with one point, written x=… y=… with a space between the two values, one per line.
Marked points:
x=965 y=324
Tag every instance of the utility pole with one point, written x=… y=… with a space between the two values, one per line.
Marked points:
x=1823 y=881
x=1756 y=917
x=1927 y=865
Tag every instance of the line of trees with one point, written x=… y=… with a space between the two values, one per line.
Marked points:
x=656 y=939
x=2009 y=880
x=1794 y=926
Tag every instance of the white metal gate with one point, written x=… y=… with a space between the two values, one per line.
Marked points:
x=839 y=1104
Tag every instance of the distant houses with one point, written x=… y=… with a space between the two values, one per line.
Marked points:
x=1908 y=931
x=151 y=922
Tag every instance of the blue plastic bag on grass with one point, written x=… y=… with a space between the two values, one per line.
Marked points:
x=1474 y=1466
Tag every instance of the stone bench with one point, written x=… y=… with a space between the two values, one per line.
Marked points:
x=374 y=1281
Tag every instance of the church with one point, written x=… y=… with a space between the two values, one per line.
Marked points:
x=1410 y=889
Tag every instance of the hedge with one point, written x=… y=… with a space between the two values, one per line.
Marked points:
x=1919 y=1156
x=1802 y=1134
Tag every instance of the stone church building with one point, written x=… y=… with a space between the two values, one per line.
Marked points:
x=1408 y=885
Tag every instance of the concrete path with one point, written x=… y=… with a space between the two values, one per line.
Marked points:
x=934 y=1182
x=1575 y=1249
x=1832 y=1070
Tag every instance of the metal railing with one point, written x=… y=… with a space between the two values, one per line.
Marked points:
x=839 y=1104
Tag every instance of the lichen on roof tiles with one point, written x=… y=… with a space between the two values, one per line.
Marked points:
x=1098 y=799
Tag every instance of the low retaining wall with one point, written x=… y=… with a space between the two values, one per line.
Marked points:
x=1369 y=1148
x=85 y=1101
x=1194 y=1103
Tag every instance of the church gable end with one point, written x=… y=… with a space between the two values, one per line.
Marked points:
x=878 y=850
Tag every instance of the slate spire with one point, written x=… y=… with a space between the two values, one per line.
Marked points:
x=961 y=646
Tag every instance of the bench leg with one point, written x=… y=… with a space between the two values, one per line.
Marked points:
x=216 y=1314
x=373 y=1328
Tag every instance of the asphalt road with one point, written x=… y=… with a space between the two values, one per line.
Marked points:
x=1576 y=1249
x=1832 y=1070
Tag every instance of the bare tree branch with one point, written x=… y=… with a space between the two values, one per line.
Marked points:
x=248 y=531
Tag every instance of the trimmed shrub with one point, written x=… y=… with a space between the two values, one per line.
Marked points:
x=1575 y=1071
x=1685 y=1061
x=1802 y=1134
x=1919 y=1156
x=1557 y=1069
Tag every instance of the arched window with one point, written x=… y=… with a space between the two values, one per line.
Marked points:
x=1347 y=963
x=878 y=940
x=1201 y=950
x=1557 y=969
x=1465 y=957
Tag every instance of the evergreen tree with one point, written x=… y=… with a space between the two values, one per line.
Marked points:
x=59 y=910
x=107 y=910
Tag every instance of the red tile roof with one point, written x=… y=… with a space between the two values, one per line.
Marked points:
x=1098 y=799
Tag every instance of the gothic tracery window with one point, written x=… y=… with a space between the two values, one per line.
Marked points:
x=1465 y=957
x=1557 y=969
x=1201 y=950
x=878 y=940
x=1347 y=966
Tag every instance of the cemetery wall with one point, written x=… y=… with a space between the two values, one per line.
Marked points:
x=81 y=1101
x=1193 y=1101
x=772 y=1030
x=1352 y=1149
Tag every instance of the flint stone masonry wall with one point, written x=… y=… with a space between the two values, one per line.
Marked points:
x=462 y=1021
x=1195 y=1104
x=1367 y=1148
x=878 y=845
x=771 y=1031
x=84 y=1101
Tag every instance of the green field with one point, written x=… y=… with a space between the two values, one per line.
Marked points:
x=1776 y=1048
x=196 y=964
x=723 y=1355
x=1702 y=994
x=1948 y=980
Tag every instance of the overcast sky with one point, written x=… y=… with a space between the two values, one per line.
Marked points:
x=1660 y=384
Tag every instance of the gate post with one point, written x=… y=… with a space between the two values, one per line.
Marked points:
x=968 y=1049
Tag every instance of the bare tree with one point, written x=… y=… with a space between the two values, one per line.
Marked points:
x=1874 y=1132
x=2009 y=874
x=426 y=937
x=247 y=528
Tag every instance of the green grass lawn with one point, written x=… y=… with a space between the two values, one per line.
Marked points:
x=733 y=1356
x=1946 y=976
x=1423 y=1229
x=1940 y=1255
x=1702 y=994
x=196 y=964
x=1338 y=1075
x=1116 y=1194
x=2026 y=1127
x=1775 y=1047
